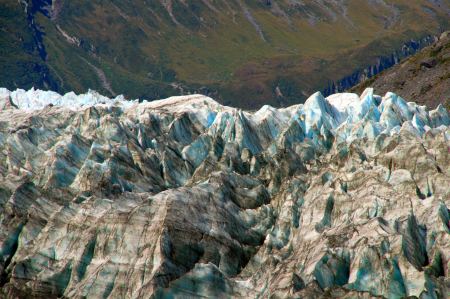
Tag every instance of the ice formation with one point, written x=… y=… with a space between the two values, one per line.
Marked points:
x=340 y=197
x=344 y=115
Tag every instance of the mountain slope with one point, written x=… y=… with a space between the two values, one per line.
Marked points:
x=342 y=197
x=423 y=78
x=21 y=62
x=243 y=52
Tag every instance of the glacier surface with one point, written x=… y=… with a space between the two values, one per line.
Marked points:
x=344 y=115
x=340 y=197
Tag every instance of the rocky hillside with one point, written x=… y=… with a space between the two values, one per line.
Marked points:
x=342 y=197
x=423 y=78
x=243 y=52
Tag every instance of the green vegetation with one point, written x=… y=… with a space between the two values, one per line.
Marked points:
x=144 y=47
x=20 y=64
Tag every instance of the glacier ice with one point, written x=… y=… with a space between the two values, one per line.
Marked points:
x=346 y=116
x=345 y=197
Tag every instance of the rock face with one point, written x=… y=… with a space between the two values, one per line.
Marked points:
x=343 y=197
x=383 y=63
x=423 y=78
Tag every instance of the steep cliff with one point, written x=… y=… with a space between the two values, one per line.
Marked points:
x=423 y=78
x=382 y=63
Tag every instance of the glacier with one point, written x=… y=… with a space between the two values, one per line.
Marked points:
x=340 y=197
x=344 y=115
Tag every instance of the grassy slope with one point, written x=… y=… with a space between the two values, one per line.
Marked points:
x=142 y=51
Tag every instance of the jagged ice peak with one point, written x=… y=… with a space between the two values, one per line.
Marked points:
x=346 y=194
x=345 y=116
